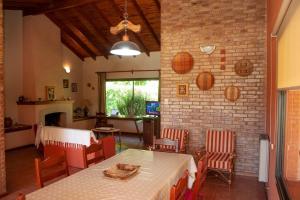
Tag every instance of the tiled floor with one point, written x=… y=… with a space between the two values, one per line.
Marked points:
x=21 y=177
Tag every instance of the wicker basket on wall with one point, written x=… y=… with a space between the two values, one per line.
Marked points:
x=182 y=63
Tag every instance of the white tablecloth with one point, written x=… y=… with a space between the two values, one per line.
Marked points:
x=64 y=135
x=158 y=172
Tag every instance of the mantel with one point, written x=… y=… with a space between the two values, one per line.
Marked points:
x=44 y=102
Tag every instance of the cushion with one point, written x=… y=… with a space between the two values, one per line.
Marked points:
x=173 y=134
x=220 y=141
x=220 y=161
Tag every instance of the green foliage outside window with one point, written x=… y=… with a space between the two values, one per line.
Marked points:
x=129 y=97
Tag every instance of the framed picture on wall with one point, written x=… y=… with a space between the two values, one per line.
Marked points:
x=182 y=90
x=66 y=83
x=74 y=87
x=50 y=93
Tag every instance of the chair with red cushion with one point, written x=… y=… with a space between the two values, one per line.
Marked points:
x=194 y=193
x=50 y=168
x=175 y=134
x=92 y=154
x=109 y=146
x=159 y=144
x=220 y=152
x=178 y=191
x=20 y=197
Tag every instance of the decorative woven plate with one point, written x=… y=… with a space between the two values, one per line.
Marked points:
x=205 y=80
x=232 y=93
x=121 y=171
x=182 y=62
x=243 y=67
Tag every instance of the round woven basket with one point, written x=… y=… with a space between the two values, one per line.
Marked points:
x=205 y=80
x=182 y=63
x=243 y=67
x=232 y=93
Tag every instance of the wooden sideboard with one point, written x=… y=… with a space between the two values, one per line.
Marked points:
x=151 y=127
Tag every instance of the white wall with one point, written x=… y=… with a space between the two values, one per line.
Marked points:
x=44 y=57
x=13 y=60
x=114 y=63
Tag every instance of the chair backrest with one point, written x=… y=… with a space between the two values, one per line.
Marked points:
x=55 y=165
x=180 y=134
x=109 y=146
x=200 y=176
x=220 y=141
x=92 y=154
x=20 y=197
x=178 y=190
x=166 y=142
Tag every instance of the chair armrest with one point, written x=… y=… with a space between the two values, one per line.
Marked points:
x=200 y=153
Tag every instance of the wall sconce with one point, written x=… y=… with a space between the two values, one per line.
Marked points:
x=67 y=69
x=207 y=49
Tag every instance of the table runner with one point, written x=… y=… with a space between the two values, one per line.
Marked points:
x=158 y=172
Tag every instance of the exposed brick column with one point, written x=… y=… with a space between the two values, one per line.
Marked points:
x=239 y=27
x=2 y=142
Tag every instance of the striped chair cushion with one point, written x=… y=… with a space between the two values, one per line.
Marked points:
x=220 y=141
x=173 y=134
x=220 y=161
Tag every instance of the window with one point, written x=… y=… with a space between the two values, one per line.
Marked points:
x=128 y=97
x=288 y=158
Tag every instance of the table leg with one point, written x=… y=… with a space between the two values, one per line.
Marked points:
x=137 y=130
x=120 y=142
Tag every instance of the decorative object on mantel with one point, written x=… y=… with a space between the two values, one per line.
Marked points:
x=66 y=83
x=207 y=49
x=74 y=87
x=223 y=59
x=50 y=93
x=205 y=80
x=243 y=67
x=125 y=47
x=182 y=62
x=182 y=89
x=232 y=93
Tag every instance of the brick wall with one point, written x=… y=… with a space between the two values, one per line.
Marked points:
x=238 y=26
x=2 y=148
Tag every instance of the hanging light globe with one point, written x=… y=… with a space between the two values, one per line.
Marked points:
x=125 y=48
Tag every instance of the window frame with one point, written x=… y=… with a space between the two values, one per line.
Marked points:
x=135 y=79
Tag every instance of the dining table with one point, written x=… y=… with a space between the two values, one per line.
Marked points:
x=158 y=172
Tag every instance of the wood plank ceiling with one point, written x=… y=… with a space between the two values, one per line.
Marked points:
x=85 y=24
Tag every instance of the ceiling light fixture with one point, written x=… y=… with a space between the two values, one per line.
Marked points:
x=125 y=47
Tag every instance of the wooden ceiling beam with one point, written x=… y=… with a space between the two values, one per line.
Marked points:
x=21 y=5
x=79 y=24
x=142 y=15
x=69 y=32
x=116 y=7
x=67 y=44
x=59 y=5
x=84 y=16
x=157 y=2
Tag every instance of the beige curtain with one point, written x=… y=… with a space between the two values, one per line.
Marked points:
x=102 y=91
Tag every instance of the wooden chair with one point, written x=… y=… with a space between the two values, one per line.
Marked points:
x=200 y=179
x=50 y=168
x=165 y=144
x=180 y=134
x=220 y=153
x=109 y=146
x=21 y=196
x=101 y=120
x=92 y=154
x=178 y=191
